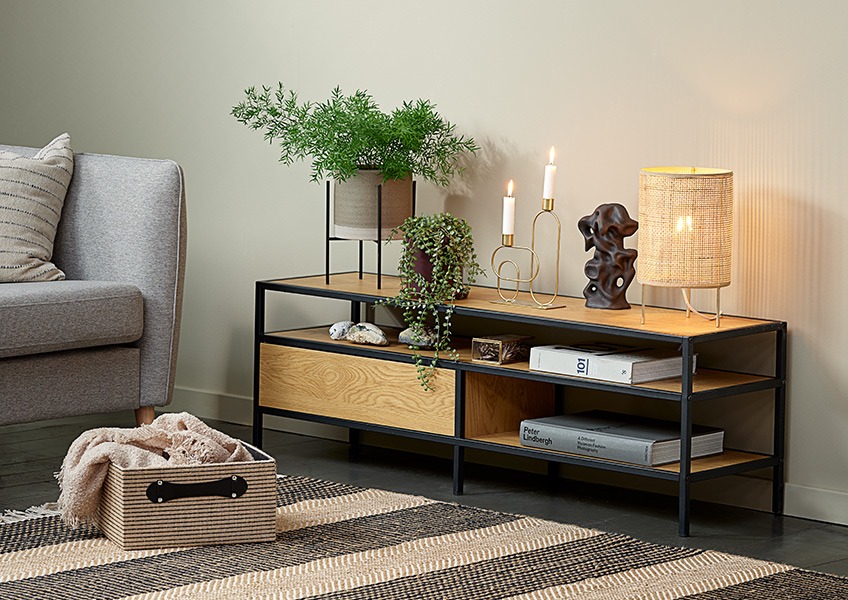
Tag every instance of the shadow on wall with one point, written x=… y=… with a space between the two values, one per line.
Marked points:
x=785 y=250
x=476 y=197
x=791 y=266
x=476 y=168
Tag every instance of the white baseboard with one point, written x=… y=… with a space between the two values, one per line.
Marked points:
x=745 y=491
x=239 y=409
x=817 y=504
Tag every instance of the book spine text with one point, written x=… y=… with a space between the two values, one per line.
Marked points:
x=585 y=443
x=583 y=366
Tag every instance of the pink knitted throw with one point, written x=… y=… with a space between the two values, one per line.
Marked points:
x=172 y=439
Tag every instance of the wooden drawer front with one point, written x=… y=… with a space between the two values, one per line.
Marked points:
x=355 y=388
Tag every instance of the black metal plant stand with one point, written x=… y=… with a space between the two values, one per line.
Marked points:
x=379 y=239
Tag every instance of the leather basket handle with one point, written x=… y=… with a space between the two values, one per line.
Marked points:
x=229 y=487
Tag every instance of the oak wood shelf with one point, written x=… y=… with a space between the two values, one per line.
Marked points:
x=705 y=380
x=659 y=322
x=699 y=465
x=304 y=374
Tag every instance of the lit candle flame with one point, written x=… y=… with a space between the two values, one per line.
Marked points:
x=552 y=154
x=509 y=188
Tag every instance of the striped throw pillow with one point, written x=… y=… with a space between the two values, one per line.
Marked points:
x=32 y=193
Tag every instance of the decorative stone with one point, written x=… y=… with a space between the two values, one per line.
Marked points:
x=339 y=330
x=410 y=338
x=367 y=333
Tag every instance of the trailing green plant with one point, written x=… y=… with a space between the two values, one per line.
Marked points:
x=347 y=133
x=427 y=299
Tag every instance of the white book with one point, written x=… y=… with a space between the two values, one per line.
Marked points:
x=618 y=437
x=607 y=361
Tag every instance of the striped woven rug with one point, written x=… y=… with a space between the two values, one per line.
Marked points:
x=341 y=541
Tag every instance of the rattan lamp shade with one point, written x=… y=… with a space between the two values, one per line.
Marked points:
x=685 y=227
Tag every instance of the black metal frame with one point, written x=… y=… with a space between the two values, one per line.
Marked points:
x=686 y=397
x=379 y=239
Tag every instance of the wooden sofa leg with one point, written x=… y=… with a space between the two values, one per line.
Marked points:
x=144 y=415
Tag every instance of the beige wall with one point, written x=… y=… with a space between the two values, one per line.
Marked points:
x=755 y=86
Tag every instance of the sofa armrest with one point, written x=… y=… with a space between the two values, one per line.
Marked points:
x=124 y=220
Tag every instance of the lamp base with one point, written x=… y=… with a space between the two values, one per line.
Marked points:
x=687 y=293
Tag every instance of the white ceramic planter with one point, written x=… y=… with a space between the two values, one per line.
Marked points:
x=355 y=205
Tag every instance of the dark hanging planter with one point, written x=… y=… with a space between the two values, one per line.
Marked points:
x=436 y=268
x=423 y=266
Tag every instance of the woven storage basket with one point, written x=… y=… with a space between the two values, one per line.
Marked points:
x=134 y=521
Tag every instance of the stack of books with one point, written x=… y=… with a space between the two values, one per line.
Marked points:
x=619 y=437
x=607 y=361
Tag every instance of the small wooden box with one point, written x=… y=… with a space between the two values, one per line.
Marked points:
x=500 y=349
x=180 y=506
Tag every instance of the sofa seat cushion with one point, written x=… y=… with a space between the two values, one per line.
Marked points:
x=41 y=317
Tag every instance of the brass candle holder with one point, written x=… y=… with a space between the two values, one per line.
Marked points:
x=507 y=241
x=535 y=265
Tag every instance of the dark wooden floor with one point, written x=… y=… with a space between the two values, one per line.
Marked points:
x=33 y=452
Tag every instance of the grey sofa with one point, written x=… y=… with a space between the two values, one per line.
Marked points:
x=106 y=337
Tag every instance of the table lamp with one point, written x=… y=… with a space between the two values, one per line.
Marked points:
x=685 y=227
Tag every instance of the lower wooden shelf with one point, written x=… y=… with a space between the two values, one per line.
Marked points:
x=707 y=463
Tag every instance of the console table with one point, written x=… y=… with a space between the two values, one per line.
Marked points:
x=304 y=374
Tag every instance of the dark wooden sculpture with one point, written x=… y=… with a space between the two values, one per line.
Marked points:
x=610 y=270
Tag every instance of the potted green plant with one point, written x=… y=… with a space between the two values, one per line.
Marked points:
x=437 y=265
x=358 y=145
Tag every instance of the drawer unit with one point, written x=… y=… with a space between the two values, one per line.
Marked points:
x=354 y=388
